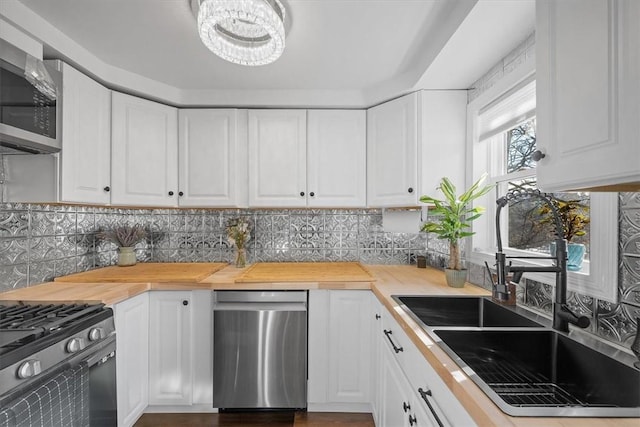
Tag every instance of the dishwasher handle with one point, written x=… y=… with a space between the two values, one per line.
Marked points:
x=260 y=306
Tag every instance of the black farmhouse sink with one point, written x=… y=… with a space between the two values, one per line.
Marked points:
x=463 y=311
x=528 y=369
x=545 y=373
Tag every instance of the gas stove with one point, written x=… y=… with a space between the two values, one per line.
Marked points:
x=37 y=339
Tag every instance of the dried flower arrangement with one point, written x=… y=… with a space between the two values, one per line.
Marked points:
x=238 y=234
x=124 y=236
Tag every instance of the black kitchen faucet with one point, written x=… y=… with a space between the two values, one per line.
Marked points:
x=562 y=315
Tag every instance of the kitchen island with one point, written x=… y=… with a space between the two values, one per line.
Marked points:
x=383 y=281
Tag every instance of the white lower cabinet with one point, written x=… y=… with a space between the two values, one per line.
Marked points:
x=412 y=392
x=132 y=358
x=376 y=355
x=340 y=347
x=170 y=367
x=180 y=348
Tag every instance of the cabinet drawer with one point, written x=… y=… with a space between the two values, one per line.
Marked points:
x=428 y=389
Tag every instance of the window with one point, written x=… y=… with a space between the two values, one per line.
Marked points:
x=502 y=139
x=528 y=223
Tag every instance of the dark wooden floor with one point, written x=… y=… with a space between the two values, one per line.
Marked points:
x=257 y=419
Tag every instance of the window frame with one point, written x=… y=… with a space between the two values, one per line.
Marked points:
x=599 y=278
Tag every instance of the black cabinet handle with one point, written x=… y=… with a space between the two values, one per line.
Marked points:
x=180 y=194
x=185 y=302
x=302 y=194
x=425 y=396
x=171 y=193
x=312 y=194
x=410 y=190
x=412 y=420
x=107 y=188
x=406 y=406
x=377 y=316
x=395 y=348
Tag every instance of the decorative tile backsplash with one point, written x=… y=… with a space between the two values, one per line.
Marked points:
x=40 y=242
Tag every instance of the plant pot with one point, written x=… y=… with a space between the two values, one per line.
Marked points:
x=575 y=255
x=126 y=257
x=455 y=278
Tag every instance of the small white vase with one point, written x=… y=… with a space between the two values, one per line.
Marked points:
x=126 y=257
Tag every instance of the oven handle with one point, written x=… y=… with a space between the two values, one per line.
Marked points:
x=105 y=351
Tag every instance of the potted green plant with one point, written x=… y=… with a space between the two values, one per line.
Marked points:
x=456 y=214
x=125 y=237
x=574 y=219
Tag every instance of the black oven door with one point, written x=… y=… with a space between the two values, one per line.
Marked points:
x=78 y=392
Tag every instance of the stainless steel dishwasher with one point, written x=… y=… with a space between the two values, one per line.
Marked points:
x=260 y=350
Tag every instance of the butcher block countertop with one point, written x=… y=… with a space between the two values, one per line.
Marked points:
x=383 y=280
x=152 y=272
x=326 y=272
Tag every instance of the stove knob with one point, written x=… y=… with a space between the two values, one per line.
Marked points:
x=96 y=334
x=75 y=344
x=29 y=368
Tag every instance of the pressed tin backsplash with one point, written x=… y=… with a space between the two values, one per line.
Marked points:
x=40 y=242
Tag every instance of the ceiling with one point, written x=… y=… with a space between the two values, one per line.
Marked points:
x=352 y=53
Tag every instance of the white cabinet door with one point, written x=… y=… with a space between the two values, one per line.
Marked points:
x=392 y=148
x=132 y=358
x=336 y=158
x=212 y=160
x=144 y=156
x=442 y=130
x=396 y=399
x=85 y=175
x=277 y=158
x=202 y=345
x=588 y=86
x=170 y=364
x=377 y=401
x=339 y=350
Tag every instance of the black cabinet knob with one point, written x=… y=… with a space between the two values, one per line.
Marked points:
x=302 y=194
x=180 y=193
x=406 y=406
x=312 y=194
x=107 y=188
x=171 y=193
x=410 y=190
x=412 y=420
x=185 y=302
x=537 y=155
x=377 y=316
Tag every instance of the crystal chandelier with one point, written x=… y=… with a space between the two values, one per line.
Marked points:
x=246 y=32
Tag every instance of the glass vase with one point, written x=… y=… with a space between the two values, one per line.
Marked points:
x=241 y=258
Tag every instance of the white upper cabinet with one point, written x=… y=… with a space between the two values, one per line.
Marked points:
x=144 y=148
x=392 y=148
x=336 y=158
x=412 y=142
x=588 y=87
x=85 y=175
x=212 y=157
x=277 y=158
